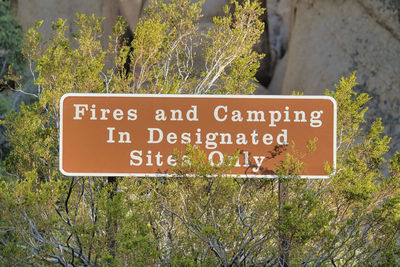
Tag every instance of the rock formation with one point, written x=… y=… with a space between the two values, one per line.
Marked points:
x=311 y=43
x=329 y=39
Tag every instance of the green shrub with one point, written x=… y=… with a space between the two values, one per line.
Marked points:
x=10 y=40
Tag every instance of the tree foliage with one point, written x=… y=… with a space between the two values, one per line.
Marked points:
x=10 y=40
x=349 y=219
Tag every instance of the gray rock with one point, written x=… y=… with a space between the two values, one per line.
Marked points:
x=312 y=43
x=331 y=38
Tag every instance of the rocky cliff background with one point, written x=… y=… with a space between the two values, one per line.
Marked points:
x=310 y=44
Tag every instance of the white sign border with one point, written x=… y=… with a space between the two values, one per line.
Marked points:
x=195 y=96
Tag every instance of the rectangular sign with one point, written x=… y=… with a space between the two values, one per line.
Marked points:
x=137 y=135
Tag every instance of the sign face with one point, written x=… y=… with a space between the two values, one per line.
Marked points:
x=138 y=135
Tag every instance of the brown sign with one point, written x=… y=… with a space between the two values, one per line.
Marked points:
x=137 y=135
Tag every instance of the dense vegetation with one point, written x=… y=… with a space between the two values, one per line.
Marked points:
x=10 y=40
x=10 y=50
x=352 y=218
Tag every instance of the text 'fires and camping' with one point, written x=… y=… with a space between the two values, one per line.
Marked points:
x=198 y=137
